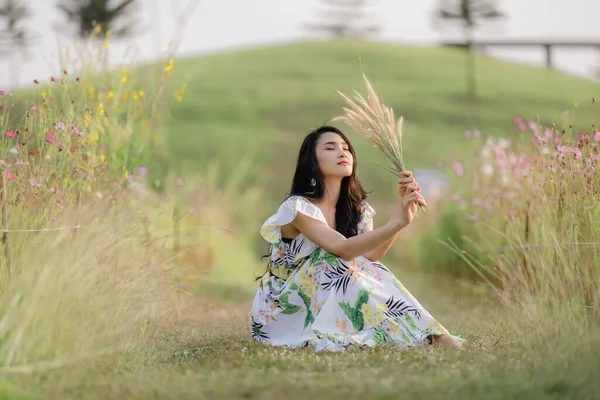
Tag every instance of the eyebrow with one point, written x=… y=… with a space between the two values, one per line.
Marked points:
x=343 y=143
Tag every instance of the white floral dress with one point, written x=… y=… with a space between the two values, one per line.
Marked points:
x=309 y=296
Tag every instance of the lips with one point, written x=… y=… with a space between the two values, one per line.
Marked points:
x=344 y=163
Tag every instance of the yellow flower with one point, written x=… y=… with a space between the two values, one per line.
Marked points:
x=367 y=314
x=88 y=119
x=97 y=29
x=44 y=95
x=379 y=318
x=126 y=174
x=178 y=98
x=110 y=95
x=108 y=32
x=310 y=291
x=141 y=93
x=105 y=44
x=191 y=278
x=124 y=79
x=102 y=158
x=92 y=93
x=170 y=43
x=381 y=307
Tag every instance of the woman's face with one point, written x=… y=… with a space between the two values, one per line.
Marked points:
x=333 y=156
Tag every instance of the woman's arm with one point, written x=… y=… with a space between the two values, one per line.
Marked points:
x=380 y=251
x=334 y=242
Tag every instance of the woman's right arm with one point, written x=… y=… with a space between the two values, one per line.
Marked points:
x=349 y=248
x=334 y=242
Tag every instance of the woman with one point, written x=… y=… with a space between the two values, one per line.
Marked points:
x=324 y=285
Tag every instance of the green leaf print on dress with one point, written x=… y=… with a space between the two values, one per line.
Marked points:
x=287 y=307
x=355 y=314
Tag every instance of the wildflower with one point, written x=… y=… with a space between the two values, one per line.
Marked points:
x=191 y=278
x=597 y=136
x=34 y=183
x=105 y=44
x=97 y=29
x=102 y=158
x=9 y=176
x=487 y=169
x=458 y=168
x=1 y=92
x=33 y=152
x=91 y=93
x=60 y=126
x=124 y=79
x=110 y=95
x=141 y=93
x=10 y=133
x=34 y=108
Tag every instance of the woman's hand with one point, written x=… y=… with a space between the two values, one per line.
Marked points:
x=410 y=196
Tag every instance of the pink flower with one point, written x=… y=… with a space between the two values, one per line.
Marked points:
x=535 y=188
x=557 y=141
x=534 y=128
x=458 y=168
x=9 y=176
x=520 y=122
x=10 y=133
x=33 y=108
x=597 y=136
x=455 y=197
x=513 y=213
x=75 y=130
x=1 y=92
x=60 y=126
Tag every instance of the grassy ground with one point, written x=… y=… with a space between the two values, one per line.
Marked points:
x=204 y=351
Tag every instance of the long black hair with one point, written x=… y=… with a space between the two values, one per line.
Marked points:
x=352 y=193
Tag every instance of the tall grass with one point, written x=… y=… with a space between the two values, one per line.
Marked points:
x=541 y=199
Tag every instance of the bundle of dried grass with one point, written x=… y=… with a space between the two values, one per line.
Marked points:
x=375 y=121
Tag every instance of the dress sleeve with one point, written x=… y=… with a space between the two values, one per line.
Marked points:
x=271 y=229
x=367 y=213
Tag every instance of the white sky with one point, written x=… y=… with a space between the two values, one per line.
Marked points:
x=220 y=25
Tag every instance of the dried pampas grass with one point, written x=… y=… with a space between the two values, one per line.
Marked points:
x=375 y=121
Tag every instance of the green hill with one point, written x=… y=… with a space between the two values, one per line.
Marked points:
x=265 y=100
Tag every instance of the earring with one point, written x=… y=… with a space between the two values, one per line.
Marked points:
x=313 y=182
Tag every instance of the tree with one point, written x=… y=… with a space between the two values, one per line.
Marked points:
x=108 y=14
x=344 y=19
x=468 y=15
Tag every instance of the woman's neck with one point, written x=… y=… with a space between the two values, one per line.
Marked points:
x=331 y=193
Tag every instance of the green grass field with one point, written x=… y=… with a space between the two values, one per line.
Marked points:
x=263 y=102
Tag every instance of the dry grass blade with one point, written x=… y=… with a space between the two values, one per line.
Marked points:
x=373 y=120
